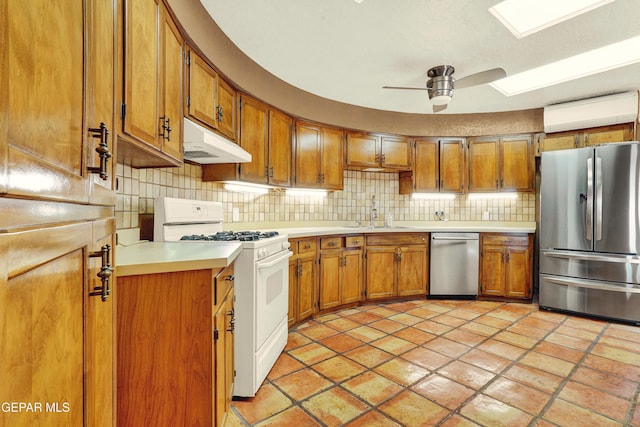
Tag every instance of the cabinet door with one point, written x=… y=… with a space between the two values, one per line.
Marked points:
x=561 y=141
x=483 y=165
x=351 y=277
x=171 y=87
x=331 y=159
x=308 y=156
x=518 y=272
x=280 y=142
x=427 y=169
x=452 y=166
x=203 y=81
x=603 y=135
x=220 y=367
x=229 y=367
x=492 y=273
x=293 y=292
x=100 y=332
x=99 y=96
x=395 y=152
x=141 y=73
x=253 y=138
x=306 y=287
x=412 y=271
x=362 y=150
x=226 y=109
x=329 y=285
x=43 y=299
x=41 y=147
x=381 y=272
x=517 y=164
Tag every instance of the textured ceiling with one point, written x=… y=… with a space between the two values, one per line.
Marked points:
x=345 y=51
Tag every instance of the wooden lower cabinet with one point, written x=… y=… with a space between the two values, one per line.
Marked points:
x=302 y=279
x=340 y=271
x=57 y=331
x=175 y=348
x=506 y=266
x=396 y=265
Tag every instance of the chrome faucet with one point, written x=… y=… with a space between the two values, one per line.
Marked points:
x=373 y=212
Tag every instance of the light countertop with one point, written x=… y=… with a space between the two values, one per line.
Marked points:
x=164 y=257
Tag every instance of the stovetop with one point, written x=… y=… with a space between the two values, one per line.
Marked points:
x=229 y=236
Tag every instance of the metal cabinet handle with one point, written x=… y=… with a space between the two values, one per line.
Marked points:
x=332 y=243
x=101 y=133
x=166 y=128
x=232 y=322
x=104 y=274
x=230 y=278
x=220 y=115
x=307 y=246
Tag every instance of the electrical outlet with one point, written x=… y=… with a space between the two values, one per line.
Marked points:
x=235 y=214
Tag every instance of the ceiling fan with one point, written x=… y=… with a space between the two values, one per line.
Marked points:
x=441 y=83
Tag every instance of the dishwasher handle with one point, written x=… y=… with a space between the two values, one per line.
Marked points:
x=453 y=238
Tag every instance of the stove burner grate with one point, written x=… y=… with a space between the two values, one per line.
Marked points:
x=228 y=236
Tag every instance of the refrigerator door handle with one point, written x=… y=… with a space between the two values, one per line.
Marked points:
x=598 y=210
x=589 y=210
x=622 y=259
x=583 y=284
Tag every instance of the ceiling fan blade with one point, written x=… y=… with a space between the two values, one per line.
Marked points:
x=481 y=78
x=402 y=87
x=438 y=108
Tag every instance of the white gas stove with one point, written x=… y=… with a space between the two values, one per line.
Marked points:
x=261 y=283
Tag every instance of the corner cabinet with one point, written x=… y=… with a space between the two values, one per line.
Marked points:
x=439 y=166
x=506 y=266
x=151 y=113
x=501 y=164
x=175 y=348
x=209 y=99
x=302 y=280
x=340 y=271
x=396 y=265
x=387 y=152
x=318 y=156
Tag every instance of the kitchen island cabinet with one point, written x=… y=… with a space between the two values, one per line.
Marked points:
x=506 y=266
x=396 y=265
x=175 y=347
x=340 y=271
x=151 y=114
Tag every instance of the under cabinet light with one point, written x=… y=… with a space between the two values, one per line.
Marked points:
x=301 y=192
x=433 y=196
x=246 y=188
x=481 y=196
x=525 y=17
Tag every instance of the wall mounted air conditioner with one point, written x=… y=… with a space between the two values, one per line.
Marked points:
x=592 y=112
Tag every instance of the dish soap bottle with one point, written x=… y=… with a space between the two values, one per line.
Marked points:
x=388 y=220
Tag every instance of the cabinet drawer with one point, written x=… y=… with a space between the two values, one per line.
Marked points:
x=306 y=246
x=397 y=239
x=354 y=241
x=223 y=282
x=330 y=242
x=505 y=239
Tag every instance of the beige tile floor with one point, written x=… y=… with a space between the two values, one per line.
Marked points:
x=451 y=363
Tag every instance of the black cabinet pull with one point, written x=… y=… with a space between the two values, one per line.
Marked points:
x=220 y=115
x=101 y=133
x=104 y=274
x=166 y=128
x=232 y=322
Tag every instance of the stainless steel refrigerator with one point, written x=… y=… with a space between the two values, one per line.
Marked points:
x=590 y=231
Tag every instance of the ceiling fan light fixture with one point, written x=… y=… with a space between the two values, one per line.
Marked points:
x=440 y=89
x=440 y=99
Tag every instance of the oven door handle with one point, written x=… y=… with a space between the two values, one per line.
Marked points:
x=273 y=262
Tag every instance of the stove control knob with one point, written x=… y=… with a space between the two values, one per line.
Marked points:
x=286 y=245
x=262 y=253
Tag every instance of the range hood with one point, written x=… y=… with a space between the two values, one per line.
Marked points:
x=204 y=146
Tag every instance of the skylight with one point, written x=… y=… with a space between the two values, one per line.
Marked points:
x=524 y=17
x=606 y=58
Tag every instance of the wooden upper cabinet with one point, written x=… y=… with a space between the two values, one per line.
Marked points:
x=41 y=103
x=210 y=99
x=425 y=176
x=364 y=150
x=587 y=137
x=151 y=111
x=452 y=166
x=318 y=156
x=501 y=164
x=254 y=126
x=280 y=139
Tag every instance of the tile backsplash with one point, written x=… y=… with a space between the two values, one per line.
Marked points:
x=138 y=187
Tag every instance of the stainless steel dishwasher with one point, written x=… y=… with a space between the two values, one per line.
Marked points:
x=454 y=265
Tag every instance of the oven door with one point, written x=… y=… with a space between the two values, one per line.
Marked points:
x=272 y=294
